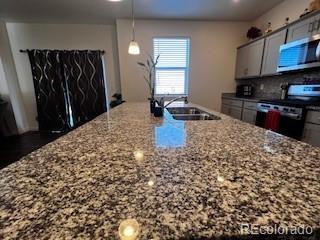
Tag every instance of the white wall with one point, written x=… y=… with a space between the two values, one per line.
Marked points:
x=4 y=90
x=9 y=127
x=212 y=57
x=10 y=84
x=288 y=8
x=59 y=36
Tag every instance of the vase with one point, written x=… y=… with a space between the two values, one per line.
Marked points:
x=152 y=105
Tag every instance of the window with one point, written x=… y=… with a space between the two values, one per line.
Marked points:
x=172 y=71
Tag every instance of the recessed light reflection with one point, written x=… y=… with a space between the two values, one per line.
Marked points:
x=151 y=182
x=220 y=179
x=129 y=229
x=138 y=155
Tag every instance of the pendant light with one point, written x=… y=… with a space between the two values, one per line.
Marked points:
x=134 y=48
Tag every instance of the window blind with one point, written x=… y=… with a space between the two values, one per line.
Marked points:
x=172 y=70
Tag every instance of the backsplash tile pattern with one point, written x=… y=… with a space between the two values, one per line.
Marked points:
x=272 y=84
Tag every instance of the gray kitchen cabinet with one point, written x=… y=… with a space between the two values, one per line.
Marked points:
x=304 y=29
x=249 y=60
x=249 y=113
x=232 y=108
x=249 y=116
x=242 y=62
x=311 y=134
x=225 y=109
x=250 y=105
x=316 y=25
x=232 y=111
x=271 y=52
x=301 y=30
x=244 y=110
x=232 y=102
x=255 y=58
x=235 y=112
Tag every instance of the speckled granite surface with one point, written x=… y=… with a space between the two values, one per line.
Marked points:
x=208 y=177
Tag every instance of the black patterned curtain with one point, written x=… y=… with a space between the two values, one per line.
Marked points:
x=85 y=80
x=69 y=87
x=49 y=87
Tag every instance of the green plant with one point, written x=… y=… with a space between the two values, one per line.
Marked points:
x=150 y=68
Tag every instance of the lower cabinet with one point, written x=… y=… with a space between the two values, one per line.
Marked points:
x=232 y=108
x=235 y=112
x=249 y=116
x=311 y=133
x=240 y=109
x=232 y=111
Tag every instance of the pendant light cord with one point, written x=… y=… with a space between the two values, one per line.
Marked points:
x=132 y=12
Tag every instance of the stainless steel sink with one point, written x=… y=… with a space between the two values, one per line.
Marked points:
x=191 y=114
x=184 y=110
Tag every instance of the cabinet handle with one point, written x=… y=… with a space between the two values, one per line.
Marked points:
x=311 y=25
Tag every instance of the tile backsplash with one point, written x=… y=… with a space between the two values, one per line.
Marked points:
x=271 y=85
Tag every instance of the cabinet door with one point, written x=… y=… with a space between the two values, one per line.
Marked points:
x=313 y=117
x=301 y=30
x=242 y=62
x=249 y=116
x=255 y=58
x=271 y=52
x=250 y=105
x=311 y=134
x=225 y=109
x=316 y=25
x=235 y=112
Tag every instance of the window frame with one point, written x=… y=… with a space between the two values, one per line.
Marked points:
x=187 y=69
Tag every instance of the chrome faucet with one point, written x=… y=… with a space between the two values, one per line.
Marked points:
x=176 y=99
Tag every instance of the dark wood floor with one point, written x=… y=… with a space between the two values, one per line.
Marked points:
x=15 y=147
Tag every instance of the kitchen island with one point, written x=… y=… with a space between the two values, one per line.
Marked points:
x=179 y=180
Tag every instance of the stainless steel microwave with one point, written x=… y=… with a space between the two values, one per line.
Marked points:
x=301 y=54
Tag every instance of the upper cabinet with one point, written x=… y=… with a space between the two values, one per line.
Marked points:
x=255 y=58
x=242 y=62
x=271 y=52
x=249 y=60
x=304 y=29
x=261 y=56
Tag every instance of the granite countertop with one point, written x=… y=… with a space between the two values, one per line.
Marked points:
x=179 y=180
x=233 y=96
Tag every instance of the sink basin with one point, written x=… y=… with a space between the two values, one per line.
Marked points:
x=184 y=110
x=191 y=114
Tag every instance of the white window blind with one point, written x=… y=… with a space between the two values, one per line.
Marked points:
x=172 y=71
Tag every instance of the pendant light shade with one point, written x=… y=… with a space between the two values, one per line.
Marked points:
x=134 y=48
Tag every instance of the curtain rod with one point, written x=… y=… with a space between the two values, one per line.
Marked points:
x=26 y=50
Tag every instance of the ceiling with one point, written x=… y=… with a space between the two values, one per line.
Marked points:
x=103 y=11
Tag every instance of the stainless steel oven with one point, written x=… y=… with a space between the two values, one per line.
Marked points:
x=291 y=118
x=292 y=110
x=300 y=54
